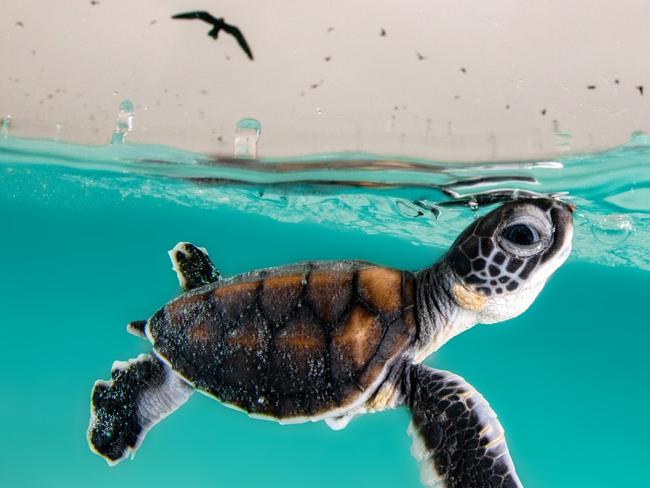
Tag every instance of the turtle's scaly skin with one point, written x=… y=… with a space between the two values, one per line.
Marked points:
x=300 y=341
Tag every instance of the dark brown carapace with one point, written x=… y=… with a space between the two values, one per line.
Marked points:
x=293 y=342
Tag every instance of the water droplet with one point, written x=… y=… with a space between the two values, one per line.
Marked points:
x=612 y=230
x=247 y=132
x=123 y=122
x=57 y=131
x=563 y=141
x=638 y=138
x=390 y=125
x=5 y=126
x=319 y=111
x=428 y=127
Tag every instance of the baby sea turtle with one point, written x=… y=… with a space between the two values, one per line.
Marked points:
x=332 y=340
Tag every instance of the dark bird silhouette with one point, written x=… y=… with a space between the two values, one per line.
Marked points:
x=218 y=26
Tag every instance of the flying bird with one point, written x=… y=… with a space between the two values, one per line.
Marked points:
x=218 y=25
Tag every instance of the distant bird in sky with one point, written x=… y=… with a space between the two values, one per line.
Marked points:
x=218 y=25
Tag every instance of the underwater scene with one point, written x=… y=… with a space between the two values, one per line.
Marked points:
x=86 y=232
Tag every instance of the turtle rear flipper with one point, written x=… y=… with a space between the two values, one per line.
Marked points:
x=141 y=393
x=456 y=435
x=193 y=266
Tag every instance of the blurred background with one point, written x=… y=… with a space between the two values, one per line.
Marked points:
x=440 y=79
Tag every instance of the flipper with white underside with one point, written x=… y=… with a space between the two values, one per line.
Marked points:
x=193 y=266
x=456 y=435
x=141 y=393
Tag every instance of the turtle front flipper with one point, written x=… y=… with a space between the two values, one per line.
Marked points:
x=193 y=266
x=456 y=435
x=141 y=393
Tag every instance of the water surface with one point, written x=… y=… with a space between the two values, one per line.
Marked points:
x=85 y=232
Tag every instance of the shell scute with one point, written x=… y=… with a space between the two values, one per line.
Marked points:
x=299 y=356
x=381 y=288
x=279 y=296
x=356 y=340
x=329 y=294
x=238 y=367
x=233 y=300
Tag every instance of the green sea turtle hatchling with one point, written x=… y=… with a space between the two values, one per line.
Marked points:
x=332 y=340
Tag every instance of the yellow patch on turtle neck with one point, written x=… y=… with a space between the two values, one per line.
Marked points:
x=467 y=298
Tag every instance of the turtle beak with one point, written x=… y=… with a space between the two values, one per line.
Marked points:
x=569 y=206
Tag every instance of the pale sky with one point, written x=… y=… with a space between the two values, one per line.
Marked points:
x=498 y=79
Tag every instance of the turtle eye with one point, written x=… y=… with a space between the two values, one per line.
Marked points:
x=521 y=234
x=525 y=236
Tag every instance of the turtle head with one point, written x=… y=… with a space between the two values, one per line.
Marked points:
x=502 y=261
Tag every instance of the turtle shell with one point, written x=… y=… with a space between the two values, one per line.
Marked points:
x=296 y=342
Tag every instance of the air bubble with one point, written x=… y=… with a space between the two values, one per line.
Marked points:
x=123 y=123
x=247 y=132
x=612 y=230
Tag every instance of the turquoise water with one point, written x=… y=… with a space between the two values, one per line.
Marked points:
x=85 y=232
